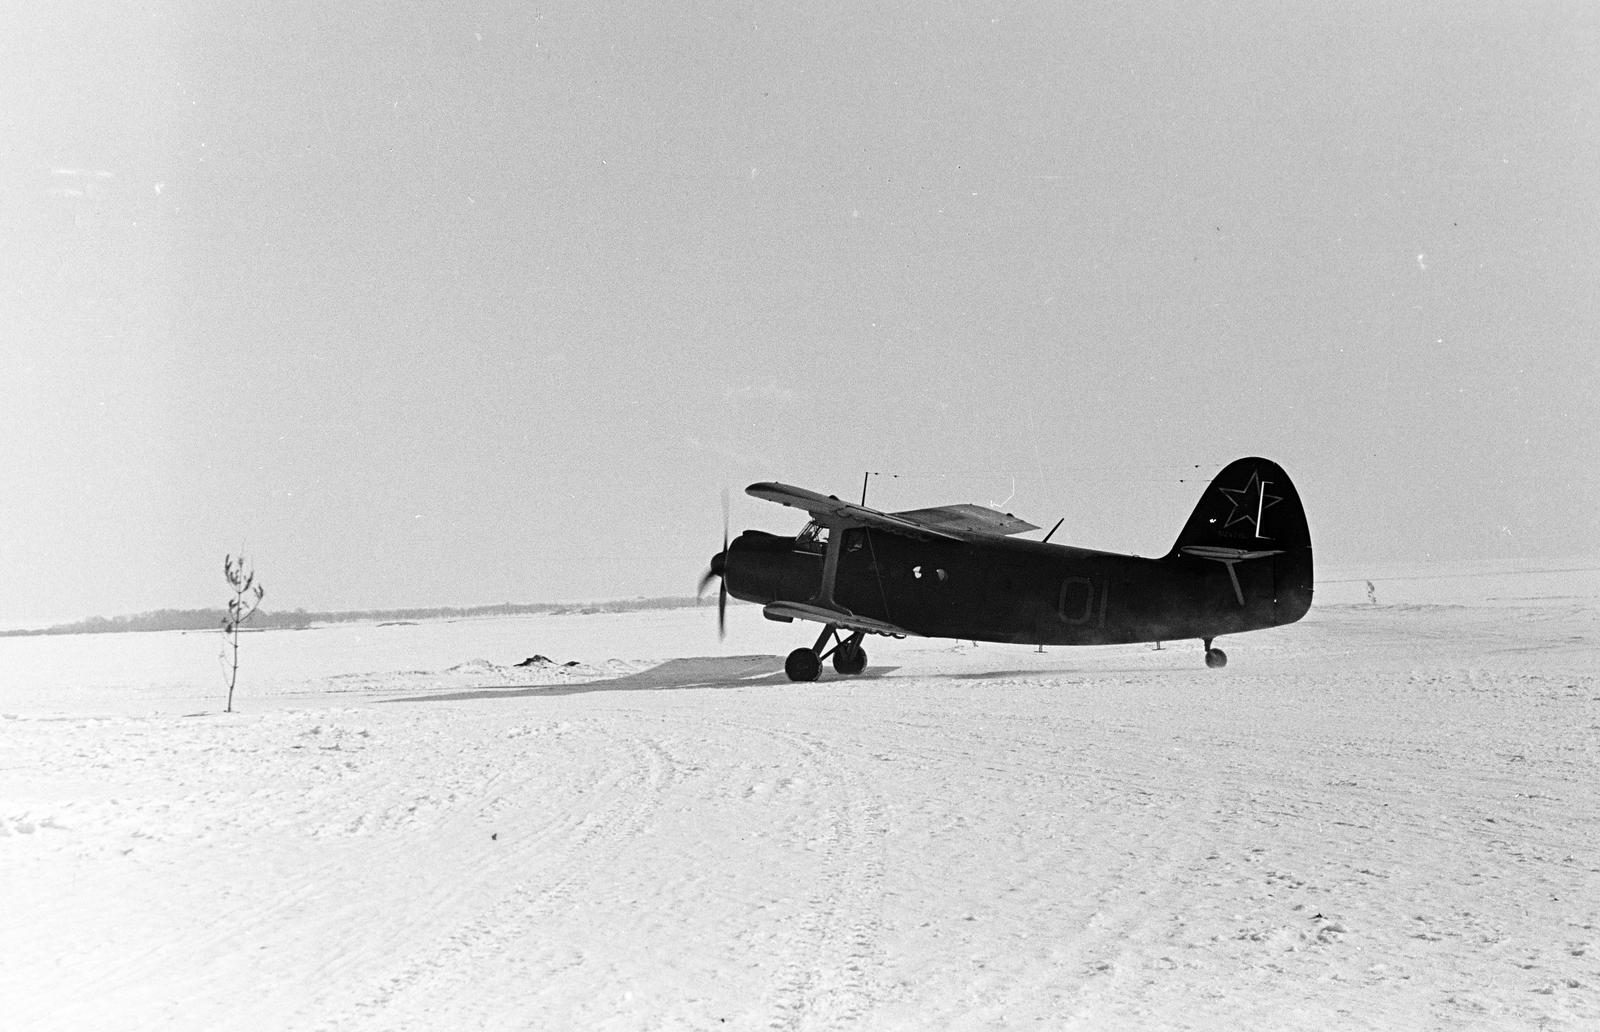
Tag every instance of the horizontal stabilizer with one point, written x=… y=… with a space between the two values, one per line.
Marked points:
x=1227 y=555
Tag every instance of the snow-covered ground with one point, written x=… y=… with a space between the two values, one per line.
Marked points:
x=1386 y=816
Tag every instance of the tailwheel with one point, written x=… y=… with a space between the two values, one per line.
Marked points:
x=850 y=658
x=803 y=665
x=1216 y=659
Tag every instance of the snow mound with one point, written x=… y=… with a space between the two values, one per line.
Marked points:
x=473 y=667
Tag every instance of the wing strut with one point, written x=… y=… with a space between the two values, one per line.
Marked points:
x=830 y=567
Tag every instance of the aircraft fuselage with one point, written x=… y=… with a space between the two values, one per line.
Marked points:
x=1027 y=592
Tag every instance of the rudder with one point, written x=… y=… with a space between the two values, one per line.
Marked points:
x=1251 y=509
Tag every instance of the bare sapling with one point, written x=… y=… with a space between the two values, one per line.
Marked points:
x=246 y=600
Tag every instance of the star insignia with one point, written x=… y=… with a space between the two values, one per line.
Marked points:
x=1249 y=503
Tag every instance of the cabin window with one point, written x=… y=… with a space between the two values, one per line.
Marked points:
x=814 y=538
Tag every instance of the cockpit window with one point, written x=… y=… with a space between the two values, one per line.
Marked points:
x=814 y=538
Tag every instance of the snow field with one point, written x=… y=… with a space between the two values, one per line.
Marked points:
x=1382 y=817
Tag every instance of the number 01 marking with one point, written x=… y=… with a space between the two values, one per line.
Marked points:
x=1077 y=602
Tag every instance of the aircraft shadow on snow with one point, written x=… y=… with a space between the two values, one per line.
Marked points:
x=697 y=672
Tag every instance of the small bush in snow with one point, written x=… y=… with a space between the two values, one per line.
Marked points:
x=246 y=600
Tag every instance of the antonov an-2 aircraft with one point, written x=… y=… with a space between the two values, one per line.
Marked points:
x=1241 y=563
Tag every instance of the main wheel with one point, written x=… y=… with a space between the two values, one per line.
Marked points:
x=850 y=661
x=802 y=665
x=1216 y=658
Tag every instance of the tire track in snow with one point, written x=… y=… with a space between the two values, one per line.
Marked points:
x=548 y=869
x=214 y=824
x=832 y=977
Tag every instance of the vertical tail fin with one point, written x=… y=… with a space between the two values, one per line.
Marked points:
x=1251 y=505
x=1252 y=511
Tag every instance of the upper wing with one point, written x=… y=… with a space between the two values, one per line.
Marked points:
x=968 y=520
x=950 y=522
x=833 y=512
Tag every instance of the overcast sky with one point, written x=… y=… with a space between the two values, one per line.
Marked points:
x=483 y=302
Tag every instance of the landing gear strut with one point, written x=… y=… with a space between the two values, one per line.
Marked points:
x=1215 y=658
x=848 y=656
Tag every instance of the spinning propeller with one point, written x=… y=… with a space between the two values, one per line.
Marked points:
x=719 y=566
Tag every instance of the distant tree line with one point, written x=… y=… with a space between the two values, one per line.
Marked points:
x=209 y=619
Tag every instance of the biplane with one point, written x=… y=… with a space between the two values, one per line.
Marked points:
x=1241 y=563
